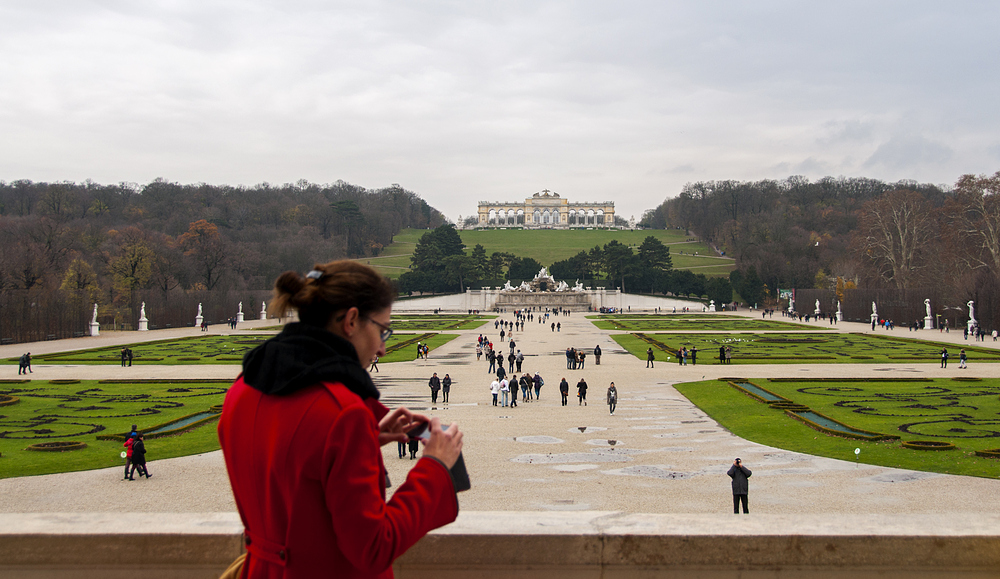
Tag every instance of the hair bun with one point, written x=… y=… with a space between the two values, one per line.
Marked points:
x=290 y=283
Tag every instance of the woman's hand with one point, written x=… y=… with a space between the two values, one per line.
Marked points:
x=393 y=426
x=444 y=445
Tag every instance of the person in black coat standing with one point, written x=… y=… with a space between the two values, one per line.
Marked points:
x=435 y=385
x=138 y=458
x=446 y=387
x=739 y=474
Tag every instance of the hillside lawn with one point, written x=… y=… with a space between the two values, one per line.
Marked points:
x=891 y=400
x=790 y=348
x=549 y=246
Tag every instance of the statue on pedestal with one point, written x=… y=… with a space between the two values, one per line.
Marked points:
x=95 y=328
x=972 y=316
x=143 y=322
x=263 y=310
x=507 y=287
x=874 y=315
x=840 y=314
x=816 y=311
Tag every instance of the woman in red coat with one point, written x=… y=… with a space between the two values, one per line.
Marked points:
x=301 y=431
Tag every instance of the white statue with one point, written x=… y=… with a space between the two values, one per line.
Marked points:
x=791 y=304
x=578 y=287
x=94 y=319
x=927 y=307
x=142 y=311
x=263 y=310
x=524 y=287
x=143 y=322
x=507 y=287
x=817 y=312
x=199 y=309
x=972 y=316
x=840 y=314
x=563 y=286
x=241 y=308
x=95 y=328
x=874 y=313
x=542 y=273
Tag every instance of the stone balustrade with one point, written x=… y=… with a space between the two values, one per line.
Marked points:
x=549 y=545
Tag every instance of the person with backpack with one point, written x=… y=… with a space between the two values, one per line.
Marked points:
x=597 y=354
x=538 y=384
x=581 y=391
x=564 y=390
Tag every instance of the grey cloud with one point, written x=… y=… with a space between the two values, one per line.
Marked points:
x=909 y=153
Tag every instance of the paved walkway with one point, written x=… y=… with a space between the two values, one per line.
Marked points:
x=668 y=457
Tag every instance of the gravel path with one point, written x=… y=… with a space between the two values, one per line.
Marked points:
x=668 y=457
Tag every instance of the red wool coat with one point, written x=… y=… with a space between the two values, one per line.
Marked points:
x=309 y=482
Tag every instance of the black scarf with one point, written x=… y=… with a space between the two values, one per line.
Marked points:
x=303 y=355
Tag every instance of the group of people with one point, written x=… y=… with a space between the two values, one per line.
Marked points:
x=24 y=364
x=422 y=350
x=962 y=358
x=127 y=355
x=576 y=359
x=683 y=354
x=135 y=455
x=438 y=385
x=504 y=391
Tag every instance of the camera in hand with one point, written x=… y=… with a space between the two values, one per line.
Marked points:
x=459 y=475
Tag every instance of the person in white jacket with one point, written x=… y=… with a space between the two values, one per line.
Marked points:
x=495 y=389
x=505 y=391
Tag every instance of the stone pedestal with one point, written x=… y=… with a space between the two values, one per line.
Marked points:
x=711 y=305
x=143 y=325
x=928 y=323
x=239 y=317
x=840 y=316
x=95 y=329
x=198 y=321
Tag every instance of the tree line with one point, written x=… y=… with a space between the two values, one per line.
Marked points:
x=115 y=245
x=441 y=264
x=843 y=233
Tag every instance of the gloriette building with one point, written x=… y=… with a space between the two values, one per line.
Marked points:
x=546 y=210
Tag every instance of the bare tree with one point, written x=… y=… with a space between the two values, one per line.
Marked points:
x=895 y=235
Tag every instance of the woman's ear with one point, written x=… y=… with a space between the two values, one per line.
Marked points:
x=346 y=324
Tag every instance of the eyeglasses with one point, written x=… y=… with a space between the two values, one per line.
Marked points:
x=386 y=330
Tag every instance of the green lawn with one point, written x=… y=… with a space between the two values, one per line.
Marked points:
x=695 y=324
x=965 y=413
x=82 y=410
x=550 y=246
x=230 y=349
x=799 y=348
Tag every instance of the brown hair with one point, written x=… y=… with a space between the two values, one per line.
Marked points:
x=330 y=288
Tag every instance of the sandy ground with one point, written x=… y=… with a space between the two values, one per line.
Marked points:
x=668 y=457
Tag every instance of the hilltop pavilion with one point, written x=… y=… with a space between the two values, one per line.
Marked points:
x=546 y=210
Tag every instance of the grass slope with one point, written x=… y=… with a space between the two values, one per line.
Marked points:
x=549 y=246
x=881 y=406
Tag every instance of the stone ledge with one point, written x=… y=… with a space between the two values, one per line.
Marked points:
x=549 y=545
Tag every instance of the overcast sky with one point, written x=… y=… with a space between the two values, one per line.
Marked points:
x=466 y=101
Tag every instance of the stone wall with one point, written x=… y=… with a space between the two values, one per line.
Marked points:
x=546 y=545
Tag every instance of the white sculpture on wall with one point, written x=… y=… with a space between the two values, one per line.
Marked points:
x=578 y=287
x=507 y=287
x=563 y=286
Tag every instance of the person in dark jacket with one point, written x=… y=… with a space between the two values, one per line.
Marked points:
x=564 y=390
x=446 y=388
x=597 y=354
x=435 y=385
x=649 y=357
x=138 y=458
x=739 y=474
x=581 y=391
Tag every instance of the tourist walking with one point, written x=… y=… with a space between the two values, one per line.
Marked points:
x=722 y=354
x=435 y=385
x=693 y=353
x=597 y=354
x=511 y=358
x=124 y=357
x=128 y=352
x=564 y=390
x=612 y=398
x=739 y=474
x=138 y=458
x=729 y=354
x=581 y=392
x=538 y=382
x=24 y=364
x=374 y=367
x=944 y=357
x=961 y=359
x=128 y=454
x=649 y=357
x=492 y=357
x=495 y=390
x=513 y=391
x=519 y=359
x=445 y=388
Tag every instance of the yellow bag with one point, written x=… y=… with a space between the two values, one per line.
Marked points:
x=235 y=571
